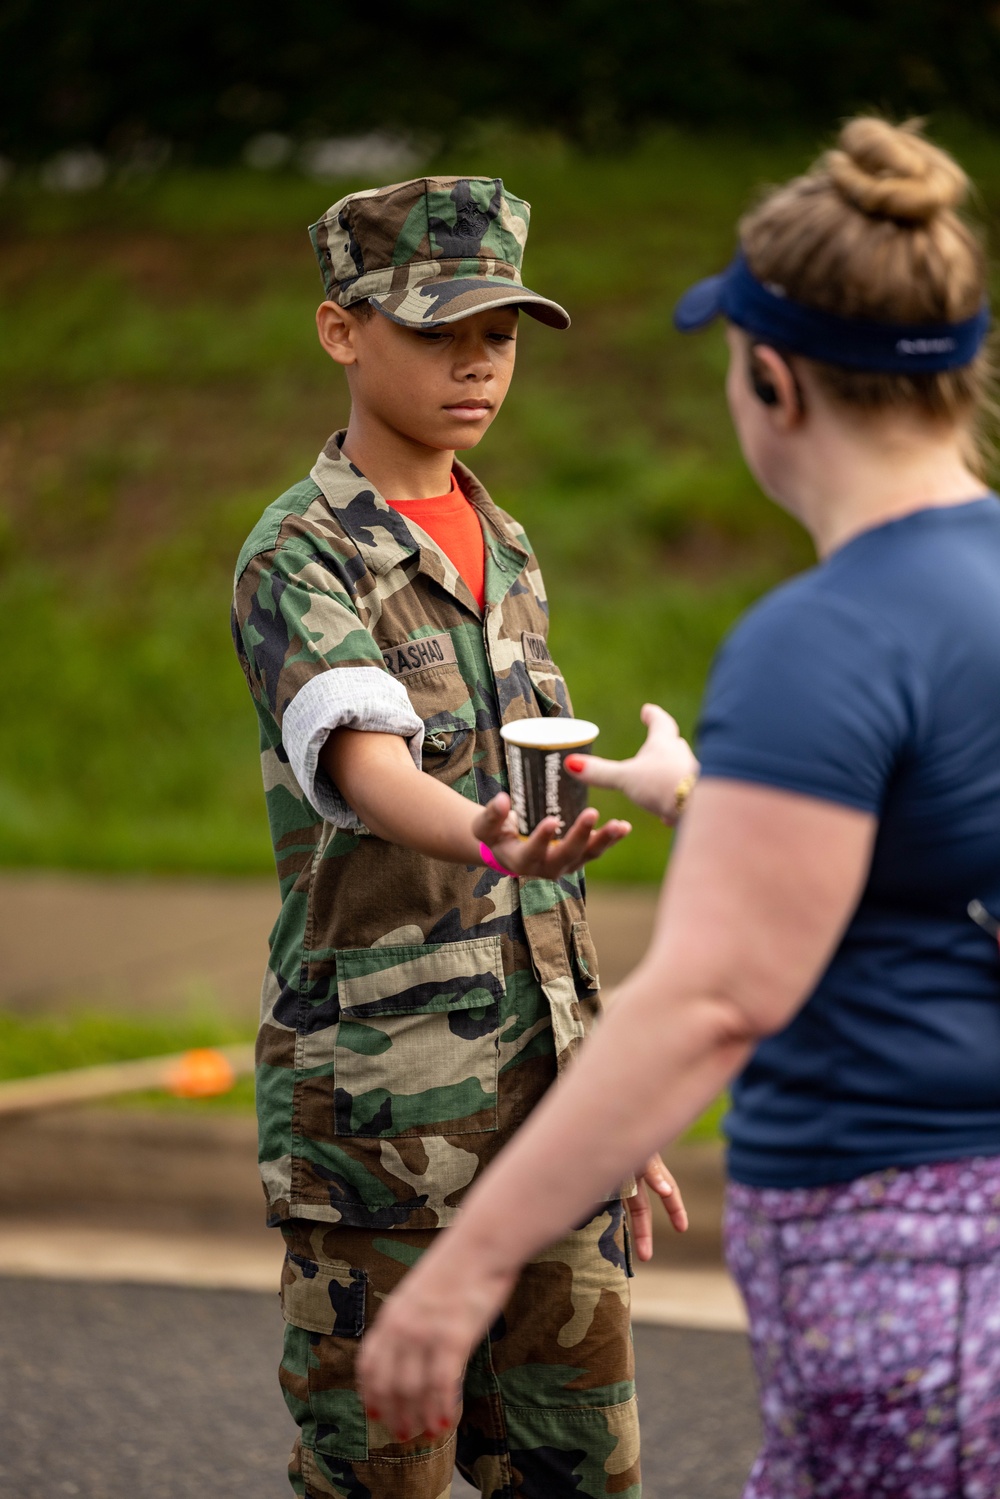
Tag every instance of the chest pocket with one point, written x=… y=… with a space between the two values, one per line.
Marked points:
x=418 y=1044
x=546 y=678
x=428 y=668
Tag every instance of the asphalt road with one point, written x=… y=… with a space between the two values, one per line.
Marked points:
x=138 y=1392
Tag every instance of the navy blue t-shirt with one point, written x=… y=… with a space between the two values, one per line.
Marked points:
x=873 y=680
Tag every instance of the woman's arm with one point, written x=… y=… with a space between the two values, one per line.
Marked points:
x=760 y=889
x=377 y=778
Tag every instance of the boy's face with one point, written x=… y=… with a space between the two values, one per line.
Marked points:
x=440 y=387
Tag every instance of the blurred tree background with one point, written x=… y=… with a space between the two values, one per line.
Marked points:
x=113 y=73
x=160 y=380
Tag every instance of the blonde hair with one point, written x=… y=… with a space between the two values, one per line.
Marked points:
x=871 y=231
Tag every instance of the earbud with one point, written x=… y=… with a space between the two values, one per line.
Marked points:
x=761 y=384
x=762 y=388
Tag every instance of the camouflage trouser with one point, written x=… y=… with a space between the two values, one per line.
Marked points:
x=549 y=1402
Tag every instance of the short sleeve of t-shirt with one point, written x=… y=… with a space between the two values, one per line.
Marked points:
x=811 y=693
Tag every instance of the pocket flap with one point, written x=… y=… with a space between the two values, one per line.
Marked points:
x=420 y=978
x=550 y=690
x=545 y=677
x=323 y=1296
x=585 y=956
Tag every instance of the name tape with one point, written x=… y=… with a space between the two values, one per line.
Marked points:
x=536 y=650
x=419 y=655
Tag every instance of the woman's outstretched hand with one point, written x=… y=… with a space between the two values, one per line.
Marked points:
x=651 y=777
x=542 y=855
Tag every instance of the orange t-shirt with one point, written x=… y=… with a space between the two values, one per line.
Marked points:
x=453 y=523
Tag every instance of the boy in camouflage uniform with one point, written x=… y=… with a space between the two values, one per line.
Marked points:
x=429 y=971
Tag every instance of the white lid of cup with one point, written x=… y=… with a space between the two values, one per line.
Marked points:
x=550 y=733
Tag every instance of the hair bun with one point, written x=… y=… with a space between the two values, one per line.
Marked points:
x=892 y=172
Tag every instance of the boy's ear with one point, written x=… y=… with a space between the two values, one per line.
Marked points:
x=337 y=329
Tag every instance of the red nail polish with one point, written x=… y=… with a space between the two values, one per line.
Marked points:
x=574 y=763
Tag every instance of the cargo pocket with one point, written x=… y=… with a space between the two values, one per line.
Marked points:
x=417 y=1049
x=323 y=1295
x=323 y=1304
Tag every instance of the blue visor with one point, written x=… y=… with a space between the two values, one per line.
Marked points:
x=854 y=343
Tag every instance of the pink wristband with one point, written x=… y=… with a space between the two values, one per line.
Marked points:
x=486 y=854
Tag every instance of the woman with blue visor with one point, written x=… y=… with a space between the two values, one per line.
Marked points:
x=825 y=940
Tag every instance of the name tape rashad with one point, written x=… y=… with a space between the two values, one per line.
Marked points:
x=418 y=655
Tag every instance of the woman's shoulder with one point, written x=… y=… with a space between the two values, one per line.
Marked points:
x=909 y=589
x=812 y=693
x=814 y=651
x=811 y=609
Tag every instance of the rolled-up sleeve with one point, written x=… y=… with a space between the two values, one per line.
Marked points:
x=314 y=666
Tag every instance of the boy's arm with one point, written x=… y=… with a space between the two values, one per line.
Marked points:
x=378 y=779
x=349 y=730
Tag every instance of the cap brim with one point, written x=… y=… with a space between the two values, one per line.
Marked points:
x=701 y=304
x=437 y=302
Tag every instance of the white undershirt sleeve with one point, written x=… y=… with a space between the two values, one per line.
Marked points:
x=357 y=697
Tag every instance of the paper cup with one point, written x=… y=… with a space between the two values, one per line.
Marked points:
x=539 y=784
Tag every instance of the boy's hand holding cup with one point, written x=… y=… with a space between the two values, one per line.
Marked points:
x=544 y=828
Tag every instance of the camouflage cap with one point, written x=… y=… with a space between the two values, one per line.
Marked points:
x=430 y=251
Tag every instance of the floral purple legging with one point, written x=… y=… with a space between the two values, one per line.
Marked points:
x=875 y=1323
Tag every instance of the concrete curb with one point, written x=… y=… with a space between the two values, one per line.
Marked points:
x=188 y=1169
x=129 y=1195
x=202 y=1168
x=54 y=1249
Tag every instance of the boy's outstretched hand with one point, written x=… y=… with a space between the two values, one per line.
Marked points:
x=651 y=777
x=542 y=855
x=658 y=1180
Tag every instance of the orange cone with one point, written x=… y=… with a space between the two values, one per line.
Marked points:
x=200 y=1073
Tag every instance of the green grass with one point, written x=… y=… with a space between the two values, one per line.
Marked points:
x=160 y=383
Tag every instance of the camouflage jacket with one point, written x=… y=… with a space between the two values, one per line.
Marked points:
x=413 y=1011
